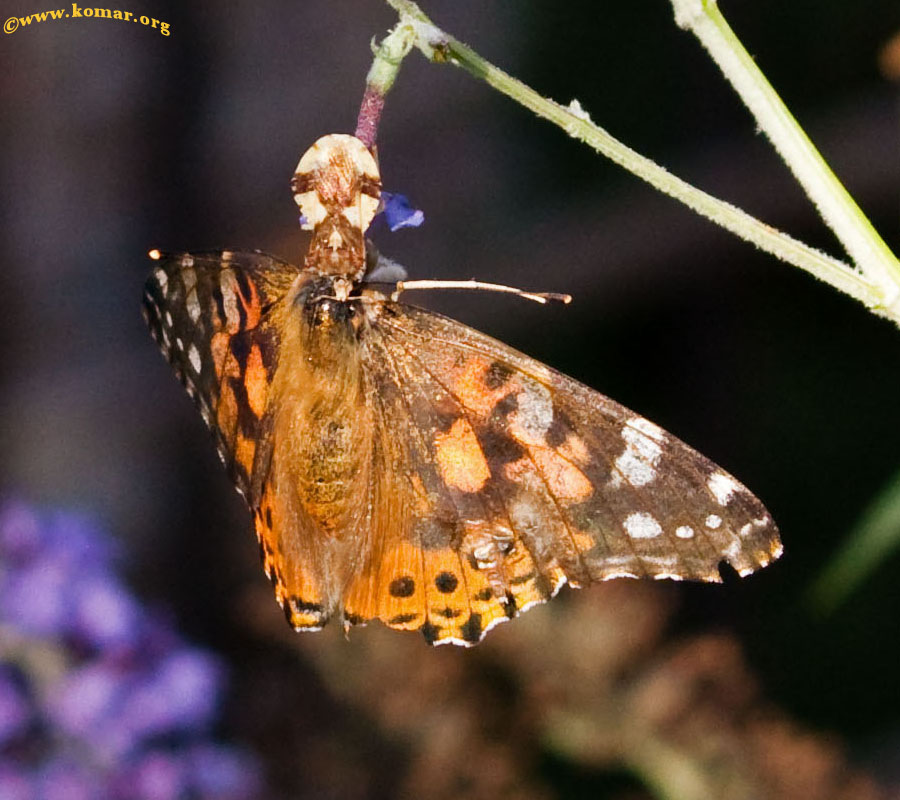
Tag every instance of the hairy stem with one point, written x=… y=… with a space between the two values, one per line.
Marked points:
x=833 y=202
x=388 y=56
x=875 y=287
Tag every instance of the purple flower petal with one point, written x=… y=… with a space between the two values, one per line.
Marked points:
x=157 y=776
x=182 y=693
x=224 y=773
x=398 y=213
x=104 y=613
x=20 y=533
x=15 y=710
x=15 y=784
x=65 y=780
x=86 y=698
x=76 y=540
x=33 y=599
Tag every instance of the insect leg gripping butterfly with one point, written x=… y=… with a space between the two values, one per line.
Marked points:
x=401 y=466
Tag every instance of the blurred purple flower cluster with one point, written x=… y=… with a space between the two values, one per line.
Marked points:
x=99 y=698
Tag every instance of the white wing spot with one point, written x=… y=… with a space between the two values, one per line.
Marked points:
x=193 y=306
x=162 y=279
x=660 y=561
x=169 y=318
x=759 y=522
x=188 y=275
x=229 y=301
x=533 y=415
x=194 y=356
x=637 y=462
x=641 y=526
x=713 y=521
x=733 y=552
x=179 y=344
x=722 y=487
x=684 y=532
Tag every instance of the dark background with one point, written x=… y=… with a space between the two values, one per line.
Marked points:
x=116 y=139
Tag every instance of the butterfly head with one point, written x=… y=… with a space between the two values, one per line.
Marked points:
x=338 y=188
x=324 y=311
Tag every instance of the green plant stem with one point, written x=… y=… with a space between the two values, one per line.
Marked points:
x=839 y=210
x=438 y=46
x=389 y=55
x=875 y=536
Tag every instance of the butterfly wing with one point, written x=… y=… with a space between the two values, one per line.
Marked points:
x=211 y=313
x=508 y=479
x=226 y=320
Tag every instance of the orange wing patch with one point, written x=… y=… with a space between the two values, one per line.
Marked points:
x=474 y=385
x=459 y=457
x=256 y=381
x=219 y=348
x=300 y=589
x=391 y=590
x=244 y=451
x=564 y=480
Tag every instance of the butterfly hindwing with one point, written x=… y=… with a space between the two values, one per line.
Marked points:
x=420 y=572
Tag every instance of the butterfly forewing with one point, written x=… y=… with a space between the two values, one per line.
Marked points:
x=575 y=471
x=211 y=314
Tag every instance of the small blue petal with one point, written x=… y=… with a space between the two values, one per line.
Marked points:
x=398 y=213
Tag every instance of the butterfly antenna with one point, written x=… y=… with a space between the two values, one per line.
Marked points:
x=538 y=297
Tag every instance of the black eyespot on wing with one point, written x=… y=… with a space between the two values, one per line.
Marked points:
x=446 y=582
x=403 y=586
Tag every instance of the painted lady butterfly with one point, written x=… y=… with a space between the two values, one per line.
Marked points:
x=401 y=466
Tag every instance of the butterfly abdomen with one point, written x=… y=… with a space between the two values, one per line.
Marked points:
x=323 y=419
